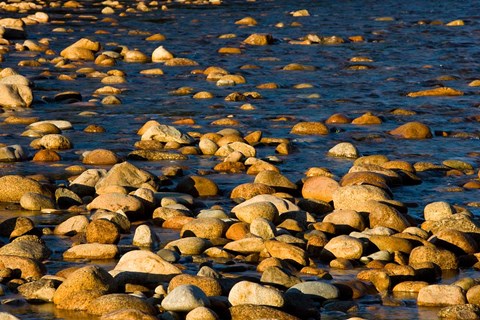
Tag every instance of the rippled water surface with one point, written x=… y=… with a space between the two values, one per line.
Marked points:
x=409 y=54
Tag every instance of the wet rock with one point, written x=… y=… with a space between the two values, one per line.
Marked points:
x=29 y=268
x=367 y=119
x=441 y=91
x=160 y=54
x=92 y=251
x=254 y=312
x=142 y=261
x=154 y=155
x=346 y=221
x=83 y=49
x=13 y=187
x=384 y=215
x=127 y=175
x=444 y=259
x=437 y=211
x=16 y=227
x=145 y=237
x=40 y=290
x=279 y=277
x=391 y=243
x=275 y=180
x=72 y=226
x=245 y=246
x=457 y=222
x=441 y=295
x=189 y=246
x=317 y=290
x=185 y=298
x=207 y=228
x=246 y=292
x=46 y=155
x=66 y=198
x=319 y=188
x=309 y=128
x=118 y=301
x=100 y=157
x=55 y=142
x=258 y=39
x=412 y=130
x=27 y=246
x=15 y=96
x=248 y=213
x=201 y=313
x=210 y=286
x=12 y=153
x=117 y=201
x=456 y=241
x=36 y=201
x=410 y=286
x=82 y=287
x=466 y=311
x=263 y=228
x=344 y=150
x=345 y=247
x=287 y=252
x=352 y=197
x=198 y=186
x=133 y=314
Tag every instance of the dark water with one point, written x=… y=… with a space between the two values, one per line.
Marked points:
x=407 y=56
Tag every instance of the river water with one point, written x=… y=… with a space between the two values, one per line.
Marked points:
x=408 y=53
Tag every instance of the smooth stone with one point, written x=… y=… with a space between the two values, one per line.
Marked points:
x=279 y=277
x=142 y=261
x=198 y=186
x=165 y=133
x=288 y=252
x=201 y=313
x=246 y=292
x=185 y=298
x=155 y=155
x=189 y=246
x=412 y=130
x=248 y=213
x=55 y=142
x=352 y=197
x=72 y=226
x=117 y=201
x=100 y=157
x=144 y=236
x=85 y=183
x=118 y=301
x=345 y=247
x=276 y=180
x=122 y=314
x=210 y=286
x=246 y=246
x=319 y=188
x=346 y=221
x=29 y=268
x=40 y=290
x=27 y=246
x=344 y=150
x=255 y=312
x=35 y=201
x=15 y=96
x=463 y=311
x=263 y=228
x=16 y=227
x=92 y=251
x=12 y=153
x=316 y=289
x=441 y=295
x=207 y=228
x=249 y=190
x=444 y=259
x=437 y=211
x=13 y=187
x=128 y=175
x=309 y=128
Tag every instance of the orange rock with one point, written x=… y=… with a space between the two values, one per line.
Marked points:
x=237 y=231
x=46 y=155
x=319 y=188
x=367 y=119
x=258 y=39
x=412 y=130
x=338 y=118
x=310 y=128
x=442 y=91
x=101 y=157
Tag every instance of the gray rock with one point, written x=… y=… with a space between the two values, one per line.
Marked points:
x=40 y=290
x=185 y=298
x=316 y=290
x=127 y=175
x=66 y=198
x=279 y=277
x=36 y=201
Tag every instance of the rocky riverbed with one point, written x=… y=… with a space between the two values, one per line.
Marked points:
x=239 y=160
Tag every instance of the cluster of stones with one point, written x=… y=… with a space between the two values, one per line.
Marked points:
x=282 y=232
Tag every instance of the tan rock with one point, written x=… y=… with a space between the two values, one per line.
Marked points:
x=276 y=180
x=410 y=286
x=189 y=246
x=102 y=231
x=442 y=258
x=412 y=130
x=117 y=201
x=287 y=252
x=250 y=212
x=384 y=215
x=246 y=245
x=29 y=268
x=246 y=292
x=441 y=295
x=367 y=119
x=13 y=187
x=210 y=286
x=437 y=211
x=207 y=228
x=91 y=251
x=456 y=241
x=442 y=91
x=346 y=221
x=345 y=247
x=391 y=243
x=309 y=128
x=355 y=197
x=101 y=157
x=198 y=186
x=255 y=312
x=319 y=188
x=118 y=301
x=143 y=261
x=258 y=39
x=46 y=155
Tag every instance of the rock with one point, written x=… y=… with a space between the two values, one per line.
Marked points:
x=40 y=290
x=319 y=188
x=66 y=198
x=145 y=237
x=127 y=175
x=13 y=187
x=441 y=91
x=282 y=205
x=12 y=153
x=287 y=252
x=210 y=286
x=255 y=312
x=246 y=292
x=391 y=243
x=258 y=39
x=263 y=228
x=246 y=246
x=145 y=262
x=441 y=295
x=100 y=157
x=383 y=215
x=437 y=211
x=119 y=218
x=318 y=290
x=444 y=259
x=207 y=146
x=278 y=277
x=160 y=54
x=29 y=269
x=354 y=197
x=189 y=246
x=344 y=150
x=346 y=221
x=16 y=227
x=345 y=247
x=207 y=228
x=164 y=133
x=91 y=251
x=117 y=201
x=309 y=128
x=36 y=201
x=201 y=313
x=118 y=301
x=27 y=246
x=82 y=287
x=85 y=183
x=55 y=141
x=132 y=314
x=185 y=298
x=458 y=222
x=198 y=186
x=275 y=180
x=154 y=155
x=83 y=49
x=72 y=226
x=46 y=155
x=61 y=124
x=364 y=178
x=15 y=96
x=367 y=119
x=410 y=286
x=456 y=241
x=248 y=213
x=465 y=311
x=412 y=130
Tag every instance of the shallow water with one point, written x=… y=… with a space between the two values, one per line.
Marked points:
x=407 y=56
